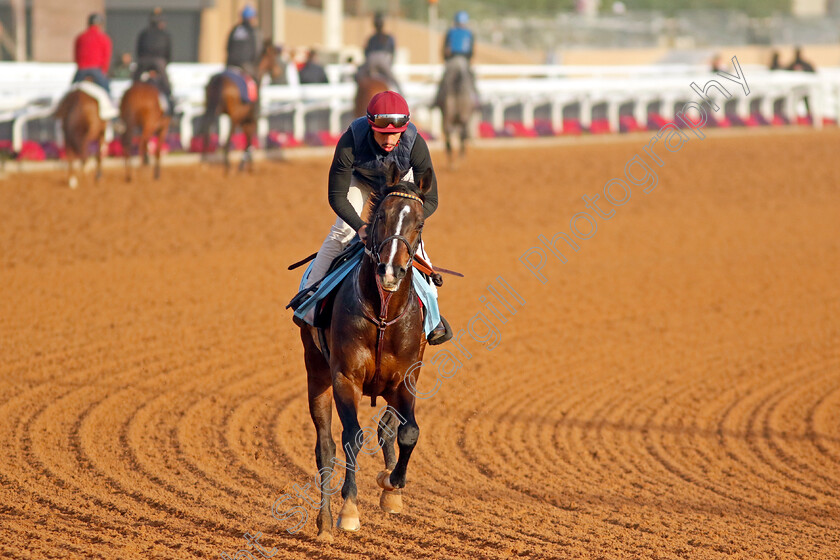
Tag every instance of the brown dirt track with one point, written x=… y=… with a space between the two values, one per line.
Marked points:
x=673 y=391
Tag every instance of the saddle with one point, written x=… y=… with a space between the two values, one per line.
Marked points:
x=322 y=293
x=246 y=84
x=107 y=109
x=323 y=309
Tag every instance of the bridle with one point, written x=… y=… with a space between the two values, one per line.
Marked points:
x=375 y=253
x=382 y=321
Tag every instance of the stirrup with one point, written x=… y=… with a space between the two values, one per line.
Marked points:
x=441 y=333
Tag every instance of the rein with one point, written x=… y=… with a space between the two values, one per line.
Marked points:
x=382 y=322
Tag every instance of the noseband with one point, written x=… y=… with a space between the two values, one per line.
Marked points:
x=382 y=321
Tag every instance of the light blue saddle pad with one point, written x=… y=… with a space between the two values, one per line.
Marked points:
x=306 y=311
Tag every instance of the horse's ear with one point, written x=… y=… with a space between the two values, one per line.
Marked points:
x=393 y=173
x=425 y=182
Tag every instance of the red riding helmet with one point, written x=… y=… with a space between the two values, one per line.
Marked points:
x=388 y=112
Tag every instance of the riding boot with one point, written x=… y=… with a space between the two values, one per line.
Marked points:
x=441 y=333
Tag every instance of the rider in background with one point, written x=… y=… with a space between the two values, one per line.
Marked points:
x=384 y=135
x=458 y=50
x=312 y=72
x=154 y=52
x=242 y=43
x=92 y=53
x=379 y=53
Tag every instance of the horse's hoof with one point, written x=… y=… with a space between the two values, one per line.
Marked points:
x=348 y=523
x=383 y=479
x=324 y=537
x=390 y=501
x=73 y=182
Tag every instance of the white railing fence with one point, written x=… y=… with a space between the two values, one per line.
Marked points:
x=28 y=91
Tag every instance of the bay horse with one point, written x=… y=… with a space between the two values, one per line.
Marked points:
x=456 y=102
x=375 y=339
x=140 y=109
x=366 y=87
x=81 y=125
x=222 y=96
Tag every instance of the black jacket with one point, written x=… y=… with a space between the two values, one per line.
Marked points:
x=154 y=42
x=312 y=73
x=380 y=42
x=242 y=45
x=357 y=153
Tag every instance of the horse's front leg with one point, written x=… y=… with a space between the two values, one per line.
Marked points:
x=407 y=436
x=347 y=396
x=390 y=501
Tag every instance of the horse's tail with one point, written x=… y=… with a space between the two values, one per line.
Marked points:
x=74 y=124
x=213 y=99
x=63 y=107
x=128 y=119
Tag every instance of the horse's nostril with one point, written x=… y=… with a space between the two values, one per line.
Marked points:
x=401 y=272
x=380 y=270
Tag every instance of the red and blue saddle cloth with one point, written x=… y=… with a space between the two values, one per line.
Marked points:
x=246 y=84
x=313 y=310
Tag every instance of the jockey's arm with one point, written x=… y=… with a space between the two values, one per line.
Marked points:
x=168 y=47
x=421 y=160
x=107 y=49
x=447 y=46
x=341 y=172
x=138 y=47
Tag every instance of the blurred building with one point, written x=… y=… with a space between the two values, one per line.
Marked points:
x=199 y=28
x=808 y=8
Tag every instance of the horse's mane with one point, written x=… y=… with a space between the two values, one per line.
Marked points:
x=377 y=196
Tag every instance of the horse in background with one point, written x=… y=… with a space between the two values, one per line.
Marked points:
x=81 y=126
x=366 y=88
x=141 y=109
x=222 y=96
x=456 y=99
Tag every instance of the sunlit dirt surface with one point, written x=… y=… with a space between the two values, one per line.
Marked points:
x=671 y=391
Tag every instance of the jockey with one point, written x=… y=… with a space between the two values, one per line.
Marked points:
x=383 y=136
x=93 y=53
x=458 y=49
x=242 y=43
x=459 y=40
x=154 y=52
x=379 y=53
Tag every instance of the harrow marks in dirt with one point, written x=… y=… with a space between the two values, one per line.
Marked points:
x=672 y=391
